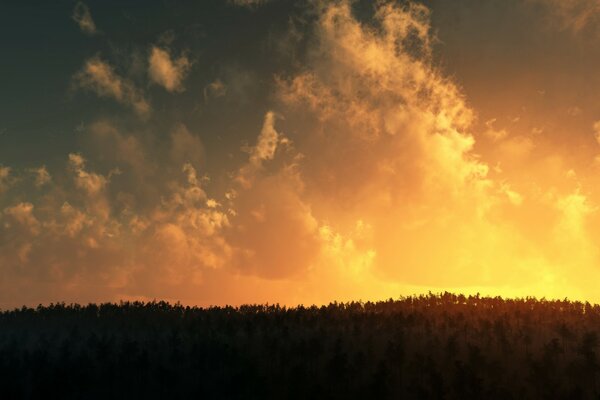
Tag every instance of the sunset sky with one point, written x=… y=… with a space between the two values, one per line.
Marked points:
x=248 y=151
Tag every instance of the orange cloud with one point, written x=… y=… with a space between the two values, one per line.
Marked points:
x=42 y=177
x=370 y=178
x=5 y=178
x=99 y=77
x=274 y=233
x=166 y=72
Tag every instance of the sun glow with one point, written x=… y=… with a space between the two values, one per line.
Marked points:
x=347 y=154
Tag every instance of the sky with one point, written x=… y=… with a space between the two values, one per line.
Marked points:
x=298 y=152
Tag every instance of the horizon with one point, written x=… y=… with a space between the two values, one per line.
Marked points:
x=285 y=307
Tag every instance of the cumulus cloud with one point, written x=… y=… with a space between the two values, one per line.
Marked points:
x=22 y=214
x=91 y=183
x=373 y=98
x=365 y=180
x=91 y=236
x=100 y=77
x=83 y=17
x=274 y=233
x=167 y=72
x=396 y=152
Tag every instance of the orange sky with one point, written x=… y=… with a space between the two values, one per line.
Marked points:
x=394 y=157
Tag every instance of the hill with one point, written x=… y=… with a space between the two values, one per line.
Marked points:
x=428 y=347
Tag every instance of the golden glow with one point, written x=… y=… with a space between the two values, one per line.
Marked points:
x=373 y=176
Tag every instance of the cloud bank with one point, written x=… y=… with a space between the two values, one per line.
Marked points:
x=367 y=179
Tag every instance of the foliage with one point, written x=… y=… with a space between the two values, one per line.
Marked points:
x=433 y=346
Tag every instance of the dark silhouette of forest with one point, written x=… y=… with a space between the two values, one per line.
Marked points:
x=428 y=347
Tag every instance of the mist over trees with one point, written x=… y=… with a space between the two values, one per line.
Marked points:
x=428 y=347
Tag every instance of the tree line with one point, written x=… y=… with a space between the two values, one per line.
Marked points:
x=435 y=346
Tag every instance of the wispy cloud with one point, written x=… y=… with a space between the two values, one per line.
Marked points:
x=572 y=15
x=99 y=77
x=5 y=178
x=83 y=18
x=41 y=176
x=249 y=3
x=214 y=89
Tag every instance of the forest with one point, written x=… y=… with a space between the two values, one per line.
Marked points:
x=435 y=346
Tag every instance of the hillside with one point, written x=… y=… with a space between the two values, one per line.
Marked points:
x=434 y=346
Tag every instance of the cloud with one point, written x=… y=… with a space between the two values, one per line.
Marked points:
x=249 y=3
x=389 y=143
x=596 y=128
x=165 y=71
x=273 y=233
x=214 y=89
x=83 y=17
x=5 y=178
x=91 y=183
x=264 y=150
x=267 y=141
x=42 y=177
x=20 y=220
x=22 y=214
x=382 y=106
x=99 y=77
x=573 y=15
x=493 y=133
x=368 y=178
x=186 y=147
x=89 y=234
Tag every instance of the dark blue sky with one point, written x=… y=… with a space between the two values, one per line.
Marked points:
x=43 y=48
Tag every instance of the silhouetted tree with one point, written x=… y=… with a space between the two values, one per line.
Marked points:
x=431 y=346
